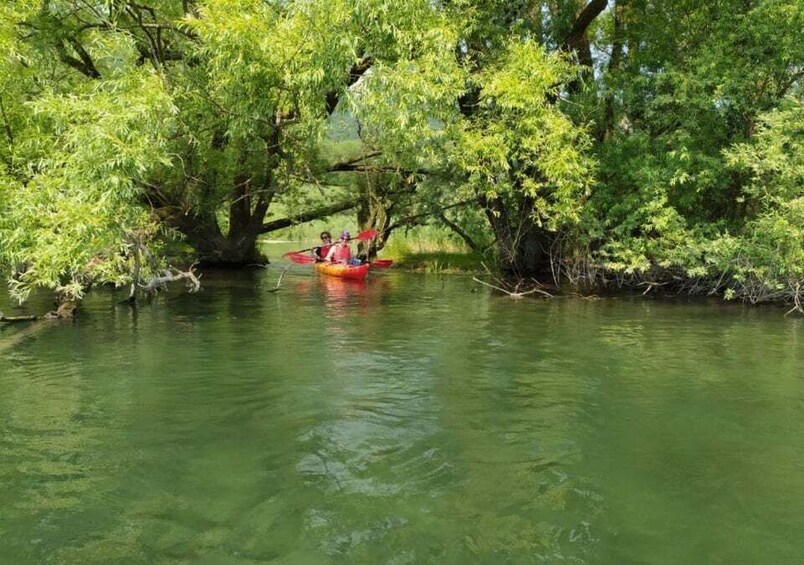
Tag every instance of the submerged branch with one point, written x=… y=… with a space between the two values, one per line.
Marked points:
x=171 y=275
x=796 y=301
x=512 y=290
x=281 y=276
x=514 y=293
x=12 y=319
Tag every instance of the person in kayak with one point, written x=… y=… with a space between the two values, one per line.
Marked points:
x=340 y=252
x=322 y=250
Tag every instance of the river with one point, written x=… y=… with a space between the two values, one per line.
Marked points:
x=410 y=419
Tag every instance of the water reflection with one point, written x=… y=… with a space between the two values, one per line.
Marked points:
x=403 y=420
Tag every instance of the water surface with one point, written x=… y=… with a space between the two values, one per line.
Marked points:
x=410 y=419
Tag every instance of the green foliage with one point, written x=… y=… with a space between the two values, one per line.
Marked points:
x=677 y=158
x=69 y=202
x=520 y=143
x=688 y=156
x=769 y=257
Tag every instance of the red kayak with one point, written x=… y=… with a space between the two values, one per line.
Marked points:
x=354 y=272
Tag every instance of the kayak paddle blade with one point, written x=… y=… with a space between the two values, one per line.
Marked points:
x=299 y=258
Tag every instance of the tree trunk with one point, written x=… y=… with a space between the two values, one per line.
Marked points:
x=606 y=130
x=521 y=243
x=374 y=211
x=373 y=214
x=237 y=249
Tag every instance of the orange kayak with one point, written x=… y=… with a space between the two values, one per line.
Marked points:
x=354 y=272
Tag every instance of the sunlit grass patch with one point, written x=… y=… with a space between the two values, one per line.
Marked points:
x=440 y=262
x=431 y=249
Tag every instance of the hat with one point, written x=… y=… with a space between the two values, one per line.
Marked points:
x=345 y=235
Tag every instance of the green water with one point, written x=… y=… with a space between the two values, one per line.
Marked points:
x=412 y=419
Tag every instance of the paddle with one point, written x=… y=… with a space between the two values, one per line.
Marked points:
x=300 y=258
x=366 y=234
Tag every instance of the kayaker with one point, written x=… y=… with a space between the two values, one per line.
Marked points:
x=340 y=251
x=322 y=250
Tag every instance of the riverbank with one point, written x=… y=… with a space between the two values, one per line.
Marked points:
x=600 y=283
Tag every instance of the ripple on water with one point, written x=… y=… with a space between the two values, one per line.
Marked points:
x=407 y=422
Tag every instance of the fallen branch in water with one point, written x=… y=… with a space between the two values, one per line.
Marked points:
x=65 y=308
x=511 y=290
x=171 y=274
x=12 y=319
x=514 y=293
x=279 y=280
x=796 y=301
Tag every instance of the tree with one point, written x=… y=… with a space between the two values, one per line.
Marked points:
x=494 y=126
x=191 y=116
x=685 y=82
x=594 y=133
x=74 y=153
x=766 y=259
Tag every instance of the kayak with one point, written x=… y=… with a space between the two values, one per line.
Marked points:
x=354 y=272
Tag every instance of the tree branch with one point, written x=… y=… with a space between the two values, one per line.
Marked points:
x=357 y=71
x=11 y=319
x=172 y=274
x=84 y=65
x=322 y=212
x=459 y=231
x=576 y=37
x=348 y=165
x=6 y=123
x=416 y=219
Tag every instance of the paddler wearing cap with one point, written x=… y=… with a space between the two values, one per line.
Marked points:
x=340 y=252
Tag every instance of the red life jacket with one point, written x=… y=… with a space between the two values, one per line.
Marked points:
x=321 y=252
x=342 y=254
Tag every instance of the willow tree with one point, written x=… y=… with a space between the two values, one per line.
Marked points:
x=494 y=132
x=73 y=155
x=689 y=87
x=124 y=120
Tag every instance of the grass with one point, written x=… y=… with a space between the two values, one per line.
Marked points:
x=432 y=250
x=440 y=262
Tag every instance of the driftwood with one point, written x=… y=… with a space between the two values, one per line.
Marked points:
x=171 y=274
x=12 y=319
x=279 y=280
x=514 y=293
x=511 y=290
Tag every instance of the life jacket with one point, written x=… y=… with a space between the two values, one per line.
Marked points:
x=342 y=254
x=321 y=252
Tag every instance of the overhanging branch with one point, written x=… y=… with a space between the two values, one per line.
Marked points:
x=83 y=64
x=309 y=216
x=349 y=164
x=418 y=219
